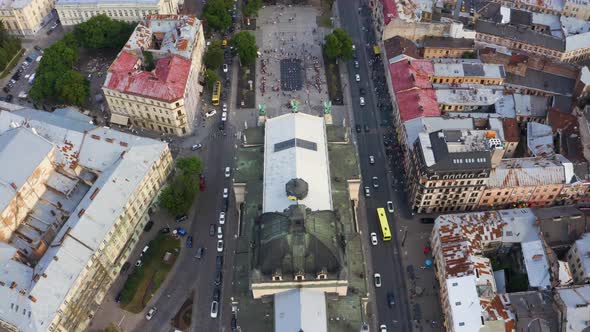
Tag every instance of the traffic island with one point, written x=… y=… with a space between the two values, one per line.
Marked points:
x=145 y=280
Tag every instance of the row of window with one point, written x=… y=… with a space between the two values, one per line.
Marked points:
x=86 y=14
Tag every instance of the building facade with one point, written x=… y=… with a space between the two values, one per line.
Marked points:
x=162 y=96
x=93 y=192
x=25 y=17
x=578 y=259
x=73 y=12
x=579 y=9
x=446 y=47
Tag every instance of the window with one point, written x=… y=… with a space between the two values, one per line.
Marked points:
x=461 y=323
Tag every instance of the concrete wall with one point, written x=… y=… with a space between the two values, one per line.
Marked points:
x=273 y=287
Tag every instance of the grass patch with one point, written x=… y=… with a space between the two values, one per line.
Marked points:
x=12 y=63
x=144 y=281
x=246 y=97
x=333 y=80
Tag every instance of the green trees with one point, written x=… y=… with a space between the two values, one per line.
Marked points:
x=217 y=15
x=178 y=197
x=251 y=7
x=338 y=44
x=9 y=46
x=245 y=44
x=55 y=77
x=103 y=32
x=214 y=56
x=210 y=78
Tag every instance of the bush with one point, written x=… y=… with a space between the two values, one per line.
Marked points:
x=103 y=32
x=9 y=47
x=178 y=196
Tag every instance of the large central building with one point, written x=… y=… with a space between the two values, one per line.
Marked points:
x=74 y=199
x=154 y=82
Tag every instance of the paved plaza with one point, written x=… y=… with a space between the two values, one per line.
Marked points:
x=290 y=65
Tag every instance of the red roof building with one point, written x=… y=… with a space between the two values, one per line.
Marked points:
x=409 y=74
x=389 y=10
x=416 y=103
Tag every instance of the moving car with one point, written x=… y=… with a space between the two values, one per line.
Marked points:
x=358 y=128
x=362 y=91
x=219 y=232
x=227 y=172
x=377 y=279
x=356 y=64
x=375 y=182
x=382 y=328
x=151 y=313
x=224 y=108
x=357 y=77
x=210 y=113
x=224 y=116
x=219 y=245
x=199 y=253
x=201 y=183
x=225 y=193
x=211 y=229
x=216 y=294
x=367 y=128
x=148 y=226
x=390 y=299
x=189 y=241
x=372 y=160
x=225 y=67
x=374 y=238
x=221 y=218
x=367 y=192
x=196 y=147
x=390 y=206
x=362 y=101
x=214 y=309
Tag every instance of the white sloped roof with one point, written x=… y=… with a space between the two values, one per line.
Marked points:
x=301 y=310
x=295 y=146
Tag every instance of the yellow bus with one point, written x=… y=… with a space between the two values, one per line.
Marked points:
x=384 y=224
x=216 y=93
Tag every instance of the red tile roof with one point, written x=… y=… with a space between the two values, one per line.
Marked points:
x=411 y=74
x=166 y=83
x=416 y=103
x=389 y=10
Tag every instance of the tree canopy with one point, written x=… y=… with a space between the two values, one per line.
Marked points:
x=178 y=196
x=210 y=78
x=103 y=32
x=244 y=44
x=55 y=77
x=338 y=44
x=214 y=56
x=251 y=7
x=9 y=46
x=217 y=15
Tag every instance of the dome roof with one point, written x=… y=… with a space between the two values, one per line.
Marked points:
x=297 y=188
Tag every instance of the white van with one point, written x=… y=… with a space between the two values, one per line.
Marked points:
x=145 y=249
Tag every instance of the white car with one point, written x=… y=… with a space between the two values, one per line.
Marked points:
x=225 y=193
x=374 y=238
x=224 y=107
x=390 y=206
x=371 y=160
x=375 y=182
x=362 y=101
x=219 y=245
x=214 y=309
x=219 y=232
x=221 y=218
x=357 y=77
x=382 y=328
x=225 y=67
x=353 y=47
x=210 y=113
x=356 y=64
x=138 y=263
x=227 y=172
x=224 y=116
x=377 y=279
x=367 y=192
x=151 y=313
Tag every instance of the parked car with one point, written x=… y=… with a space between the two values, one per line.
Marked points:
x=383 y=328
x=219 y=245
x=219 y=232
x=199 y=253
x=362 y=101
x=165 y=230
x=180 y=231
x=357 y=77
x=372 y=160
x=196 y=147
x=36 y=47
x=50 y=31
x=224 y=116
x=374 y=238
x=366 y=127
x=427 y=220
x=125 y=267
x=225 y=68
x=189 y=241
x=216 y=294
x=218 y=277
x=224 y=108
x=225 y=193
x=367 y=192
x=150 y=314
x=356 y=64
x=138 y=263
x=9 y=98
x=214 y=309
x=218 y=262
x=358 y=128
x=390 y=206
x=118 y=297
x=227 y=172
x=362 y=91
x=377 y=279
x=148 y=226
x=375 y=182
x=181 y=218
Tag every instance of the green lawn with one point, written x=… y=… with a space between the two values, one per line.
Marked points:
x=145 y=280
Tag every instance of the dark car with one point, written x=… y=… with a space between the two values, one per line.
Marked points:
x=38 y=48
x=6 y=89
x=218 y=278
x=125 y=267
x=427 y=220
x=29 y=59
x=16 y=77
x=165 y=230
x=189 y=241
x=216 y=294
x=181 y=218
x=225 y=204
x=118 y=297
x=200 y=252
x=234 y=323
x=218 y=263
x=211 y=229
x=390 y=299
x=362 y=91
x=222 y=125
x=9 y=98
x=50 y=31
x=358 y=128
x=366 y=128
x=148 y=226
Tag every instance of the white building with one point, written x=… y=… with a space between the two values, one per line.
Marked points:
x=578 y=259
x=574 y=303
x=25 y=17
x=73 y=12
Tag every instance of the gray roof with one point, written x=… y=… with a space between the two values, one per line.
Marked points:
x=449 y=42
x=536 y=311
x=543 y=81
x=300 y=310
x=446 y=160
x=520 y=33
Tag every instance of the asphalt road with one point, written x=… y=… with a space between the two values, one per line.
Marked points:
x=384 y=258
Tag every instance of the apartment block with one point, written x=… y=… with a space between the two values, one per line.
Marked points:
x=72 y=12
x=578 y=259
x=447 y=47
x=579 y=9
x=74 y=199
x=25 y=17
x=468 y=100
x=162 y=94
x=458 y=71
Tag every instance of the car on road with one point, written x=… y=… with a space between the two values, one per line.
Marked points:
x=356 y=64
x=218 y=262
x=372 y=160
x=225 y=193
x=427 y=220
x=353 y=47
x=374 y=238
x=180 y=231
x=199 y=253
x=36 y=47
x=358 y=128
x=148 y=226
x=227 y=172
x=219 y=245
x=216 y=294
x=150 y=314
x=224 y=116
x=211 y=229
x=390 y=206
x=375 y=182
x=367 y=192
x=362 y=101
x=214 y=309
x=196 y=147
x=377 y=279
x=125 y=267
x=367 y=128
x=181 y=218
x=189 y=241
x=218 y=277
x=225 y=67
x=362 y=91
x=383 y=328
x=221 y=125
x=165 y=230
x=224 y=108
x=50 y=31
x=210 y=113
x=390 y=299
x=201 y=183
x=357 y=77
x=9 y=98
x=118 y=297
x=6 y=89
x=138 y=263
x=221 y=218
x=219 y=232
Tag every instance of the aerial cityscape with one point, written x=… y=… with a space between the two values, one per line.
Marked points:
x=295 y=165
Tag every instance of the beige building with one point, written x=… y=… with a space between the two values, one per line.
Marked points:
x=463 y=71
x=72 y=207
x=579 y=9
x=578 y=259
x=446 y=47
x=73 y=12
x=24 y=17
x=162 y=96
